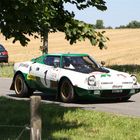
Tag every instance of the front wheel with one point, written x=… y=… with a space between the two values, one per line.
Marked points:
x=21 y=87
x=125 y=99
x=66 y=91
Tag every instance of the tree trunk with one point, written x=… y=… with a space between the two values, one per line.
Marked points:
x=45 y=43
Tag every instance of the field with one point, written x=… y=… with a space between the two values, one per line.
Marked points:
x=123 y=47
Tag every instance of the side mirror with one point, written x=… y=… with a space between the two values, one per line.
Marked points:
x=102 y=63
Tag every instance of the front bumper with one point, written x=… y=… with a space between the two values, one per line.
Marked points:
x=106 y=94
x=4 y=58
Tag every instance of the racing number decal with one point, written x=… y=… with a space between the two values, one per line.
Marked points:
x=45 y=76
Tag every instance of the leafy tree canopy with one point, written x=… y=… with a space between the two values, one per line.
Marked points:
x=133 y=24
x=19 y=18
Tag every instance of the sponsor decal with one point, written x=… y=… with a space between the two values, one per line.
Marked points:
x=105 y=83
x=24 y=65
x=31 y=77
x=121 y=75
x=105 y=75
x=91 y=88
x=117 y=86
x=127 y=82
x=136 y=86
x=117 y=91
x=53 y=76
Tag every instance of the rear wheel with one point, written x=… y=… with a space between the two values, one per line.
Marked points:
x=21 y=88
x=66 y=91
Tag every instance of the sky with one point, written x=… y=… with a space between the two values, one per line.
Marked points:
x=119 y=12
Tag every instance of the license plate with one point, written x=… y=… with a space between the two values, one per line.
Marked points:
x=117 y=91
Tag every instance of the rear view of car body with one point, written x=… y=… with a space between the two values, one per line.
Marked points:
x=3 y=54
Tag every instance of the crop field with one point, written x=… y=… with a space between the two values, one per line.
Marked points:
x=123 y=47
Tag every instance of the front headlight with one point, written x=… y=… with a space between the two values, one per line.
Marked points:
x=134 y=79
x=91 y=81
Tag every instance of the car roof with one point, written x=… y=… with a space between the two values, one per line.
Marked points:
x=40 y=59
x=66 y=54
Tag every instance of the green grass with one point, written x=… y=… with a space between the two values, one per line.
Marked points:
x=6 y=70
x=60 y=123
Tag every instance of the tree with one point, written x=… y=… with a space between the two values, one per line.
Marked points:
x=108 y=27
x=121 y=27
x=19 y=18
x=133 y=24
x=99 y=24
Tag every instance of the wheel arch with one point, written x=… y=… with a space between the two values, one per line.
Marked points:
x=61 y=79
x=59 y=88
x=60 y=82
x=12 y=85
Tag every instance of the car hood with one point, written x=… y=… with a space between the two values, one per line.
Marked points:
x=113 y=77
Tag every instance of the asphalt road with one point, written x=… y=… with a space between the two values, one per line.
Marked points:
x=130 y=108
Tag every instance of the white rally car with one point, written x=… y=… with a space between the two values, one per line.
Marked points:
x=71 y=76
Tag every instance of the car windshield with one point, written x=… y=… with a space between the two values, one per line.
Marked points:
x=83 y=64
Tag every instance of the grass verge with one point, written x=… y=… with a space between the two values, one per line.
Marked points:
x=6 y=70
x=60 y=123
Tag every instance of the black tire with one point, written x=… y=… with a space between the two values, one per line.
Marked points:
x=6 y=61
x=66 y=91
x=21 y=88
x=125 y=99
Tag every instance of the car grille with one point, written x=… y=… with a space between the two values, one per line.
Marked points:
x=108 y=93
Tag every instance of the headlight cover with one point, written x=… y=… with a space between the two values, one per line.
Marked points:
x=134 y=79
x=92 y=81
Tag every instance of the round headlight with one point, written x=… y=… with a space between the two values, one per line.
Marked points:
x=91 y=80
x=134 y=79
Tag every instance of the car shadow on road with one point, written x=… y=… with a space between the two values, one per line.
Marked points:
x=103 y=101
x=52 y=99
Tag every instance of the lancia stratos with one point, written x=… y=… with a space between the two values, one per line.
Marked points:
x=72 y=76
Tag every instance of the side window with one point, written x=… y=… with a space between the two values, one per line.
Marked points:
x=68 y=63
x=52 y=60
